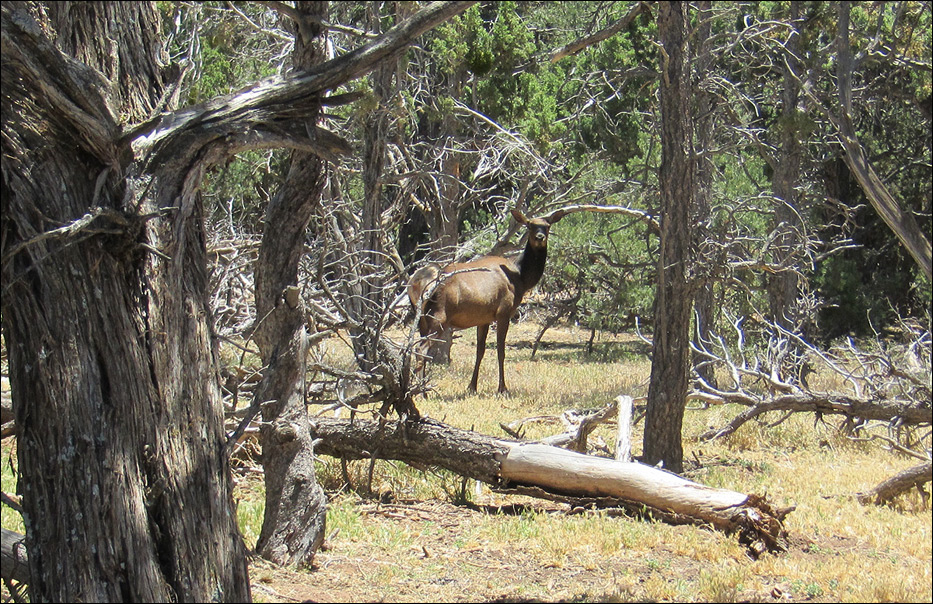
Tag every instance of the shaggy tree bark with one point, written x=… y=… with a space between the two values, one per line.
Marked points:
x=668 y=385
x=125 y=486
x=294 y=518
x=112 y=363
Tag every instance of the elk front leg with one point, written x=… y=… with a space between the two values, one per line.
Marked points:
x=502 y=328
x=481 y=332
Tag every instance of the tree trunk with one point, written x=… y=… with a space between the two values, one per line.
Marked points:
x=370 y=277
x=782 y=286
x=668 y=385
x=705 y=102
x=445 y=200
x=555 y=473
x=295 y=511
x=113 y=367
x=112 y=360
x=902 y=223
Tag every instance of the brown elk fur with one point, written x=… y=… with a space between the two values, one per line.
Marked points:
x=478 y=293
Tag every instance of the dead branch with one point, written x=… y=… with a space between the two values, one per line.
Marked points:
x=607 y=32
x=650 y=220
x=889 y=384
x=13 y=554
x=579 y=425
x=826 y=404
x=914 y=477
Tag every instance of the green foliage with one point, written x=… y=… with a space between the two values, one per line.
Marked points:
x=463 y=45
x=236 y=194
x=494 y=45
x=230 y=56
x=603 y=260
x=594 y=115
x=613 y=126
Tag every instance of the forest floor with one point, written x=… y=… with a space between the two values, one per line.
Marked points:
x=428 y=536
x=400 y=534
x=438 y=568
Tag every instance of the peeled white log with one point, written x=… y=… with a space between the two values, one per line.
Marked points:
x=582 y=475
x=625 y=406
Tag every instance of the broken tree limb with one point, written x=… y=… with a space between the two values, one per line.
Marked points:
x=556 y=474
x=425 y=443
x=13 y=555
x=579 y=426
x=913 y=477
x=827 y=404
x=607 y=32
x=625 y=406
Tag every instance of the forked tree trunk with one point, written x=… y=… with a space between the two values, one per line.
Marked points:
x=294 y=517
x=105 y=315
x=113 y=367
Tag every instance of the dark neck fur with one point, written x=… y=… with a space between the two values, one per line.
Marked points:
x=531 y=266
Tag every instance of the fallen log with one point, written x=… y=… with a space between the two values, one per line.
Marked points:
x=554 y=473
x=826 y=404
x=911 y=478
x=13 y=555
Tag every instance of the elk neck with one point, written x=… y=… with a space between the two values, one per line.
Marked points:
x=531 y=265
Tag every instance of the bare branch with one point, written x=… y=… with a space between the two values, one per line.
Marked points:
x=279 y=97
x=772 y=381
x=641 y=215
x=607 y=32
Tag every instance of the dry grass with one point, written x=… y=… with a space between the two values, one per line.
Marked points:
x=421 y=547
x=416 y=539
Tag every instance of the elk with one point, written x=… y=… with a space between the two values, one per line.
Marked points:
x=480 y=292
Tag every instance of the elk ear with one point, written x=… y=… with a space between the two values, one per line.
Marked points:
x=518 y=216
x=555 y=216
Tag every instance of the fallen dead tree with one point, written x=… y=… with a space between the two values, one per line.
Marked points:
x=852 y=408
x=557 y=474
x=882 y=387
x=889 y=383
x=15 y=564
x=911 y=478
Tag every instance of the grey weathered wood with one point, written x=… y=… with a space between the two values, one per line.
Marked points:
x=15 y=563
x=624 y=406
x=554 y=473
x=901 y=482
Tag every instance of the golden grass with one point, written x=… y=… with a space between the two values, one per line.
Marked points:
x=840 y=549
x=411 y=544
